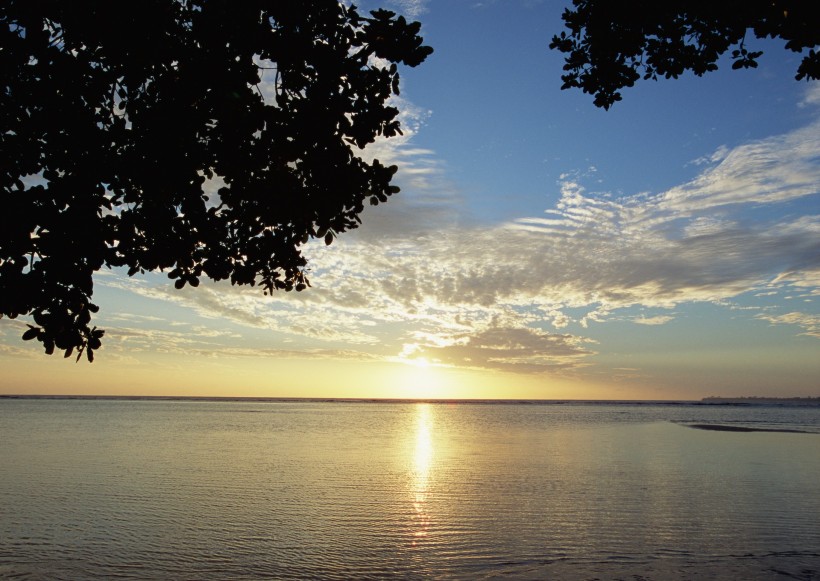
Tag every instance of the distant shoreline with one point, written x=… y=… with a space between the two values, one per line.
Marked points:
x=249 y=399
x=709 y=401
x=801 y=401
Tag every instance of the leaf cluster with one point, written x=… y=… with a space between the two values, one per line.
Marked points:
x=141 y=136
x=611 y=44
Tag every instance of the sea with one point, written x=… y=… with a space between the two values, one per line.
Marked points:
x=140 y=488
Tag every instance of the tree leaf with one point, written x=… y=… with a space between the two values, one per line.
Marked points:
x=31 y=333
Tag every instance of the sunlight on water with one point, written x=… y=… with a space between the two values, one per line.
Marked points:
x=422 y=463
x=311 y=490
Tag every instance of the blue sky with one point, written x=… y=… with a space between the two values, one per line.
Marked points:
x=540 y=247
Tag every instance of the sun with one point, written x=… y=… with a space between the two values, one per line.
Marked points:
x=419 y=362
x=420 y=378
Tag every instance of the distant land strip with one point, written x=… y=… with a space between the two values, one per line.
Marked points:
x=751 y=400
x=725 y=428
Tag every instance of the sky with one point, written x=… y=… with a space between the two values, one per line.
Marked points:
x=540 y=247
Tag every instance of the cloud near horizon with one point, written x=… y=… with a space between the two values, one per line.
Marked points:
x=416 y=282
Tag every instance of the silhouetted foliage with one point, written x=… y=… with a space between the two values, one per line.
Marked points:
x=116 y=118
x=611 y=44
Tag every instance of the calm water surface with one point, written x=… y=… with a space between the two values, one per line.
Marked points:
x=255 y=490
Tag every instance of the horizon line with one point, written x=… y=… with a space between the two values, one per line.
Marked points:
x=286 y=399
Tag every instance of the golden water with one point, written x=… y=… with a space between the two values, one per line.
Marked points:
x=258 y=490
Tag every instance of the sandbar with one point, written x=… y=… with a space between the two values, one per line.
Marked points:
x=725 y=428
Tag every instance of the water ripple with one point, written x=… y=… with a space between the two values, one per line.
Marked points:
x=203 y=490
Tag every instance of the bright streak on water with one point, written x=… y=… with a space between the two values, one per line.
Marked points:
x=423 y=458
x=272 y=490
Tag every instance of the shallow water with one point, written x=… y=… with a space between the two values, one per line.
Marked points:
x=100 y=489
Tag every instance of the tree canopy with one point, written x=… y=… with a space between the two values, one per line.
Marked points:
x=137 y=135
x=612 y=44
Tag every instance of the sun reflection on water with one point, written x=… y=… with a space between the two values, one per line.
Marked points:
x=422 y=464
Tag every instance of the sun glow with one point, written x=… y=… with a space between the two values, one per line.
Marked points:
x=419 y=362
x=419 y=378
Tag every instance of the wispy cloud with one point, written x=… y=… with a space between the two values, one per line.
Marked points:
x=808 y=322
x=656 y=320
x=812 y=96
x=519 y=350
x=331 y=354
x=411 y=8
x=415 y=282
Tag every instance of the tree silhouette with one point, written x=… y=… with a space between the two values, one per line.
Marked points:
x=118 y=121
x=610 y=43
